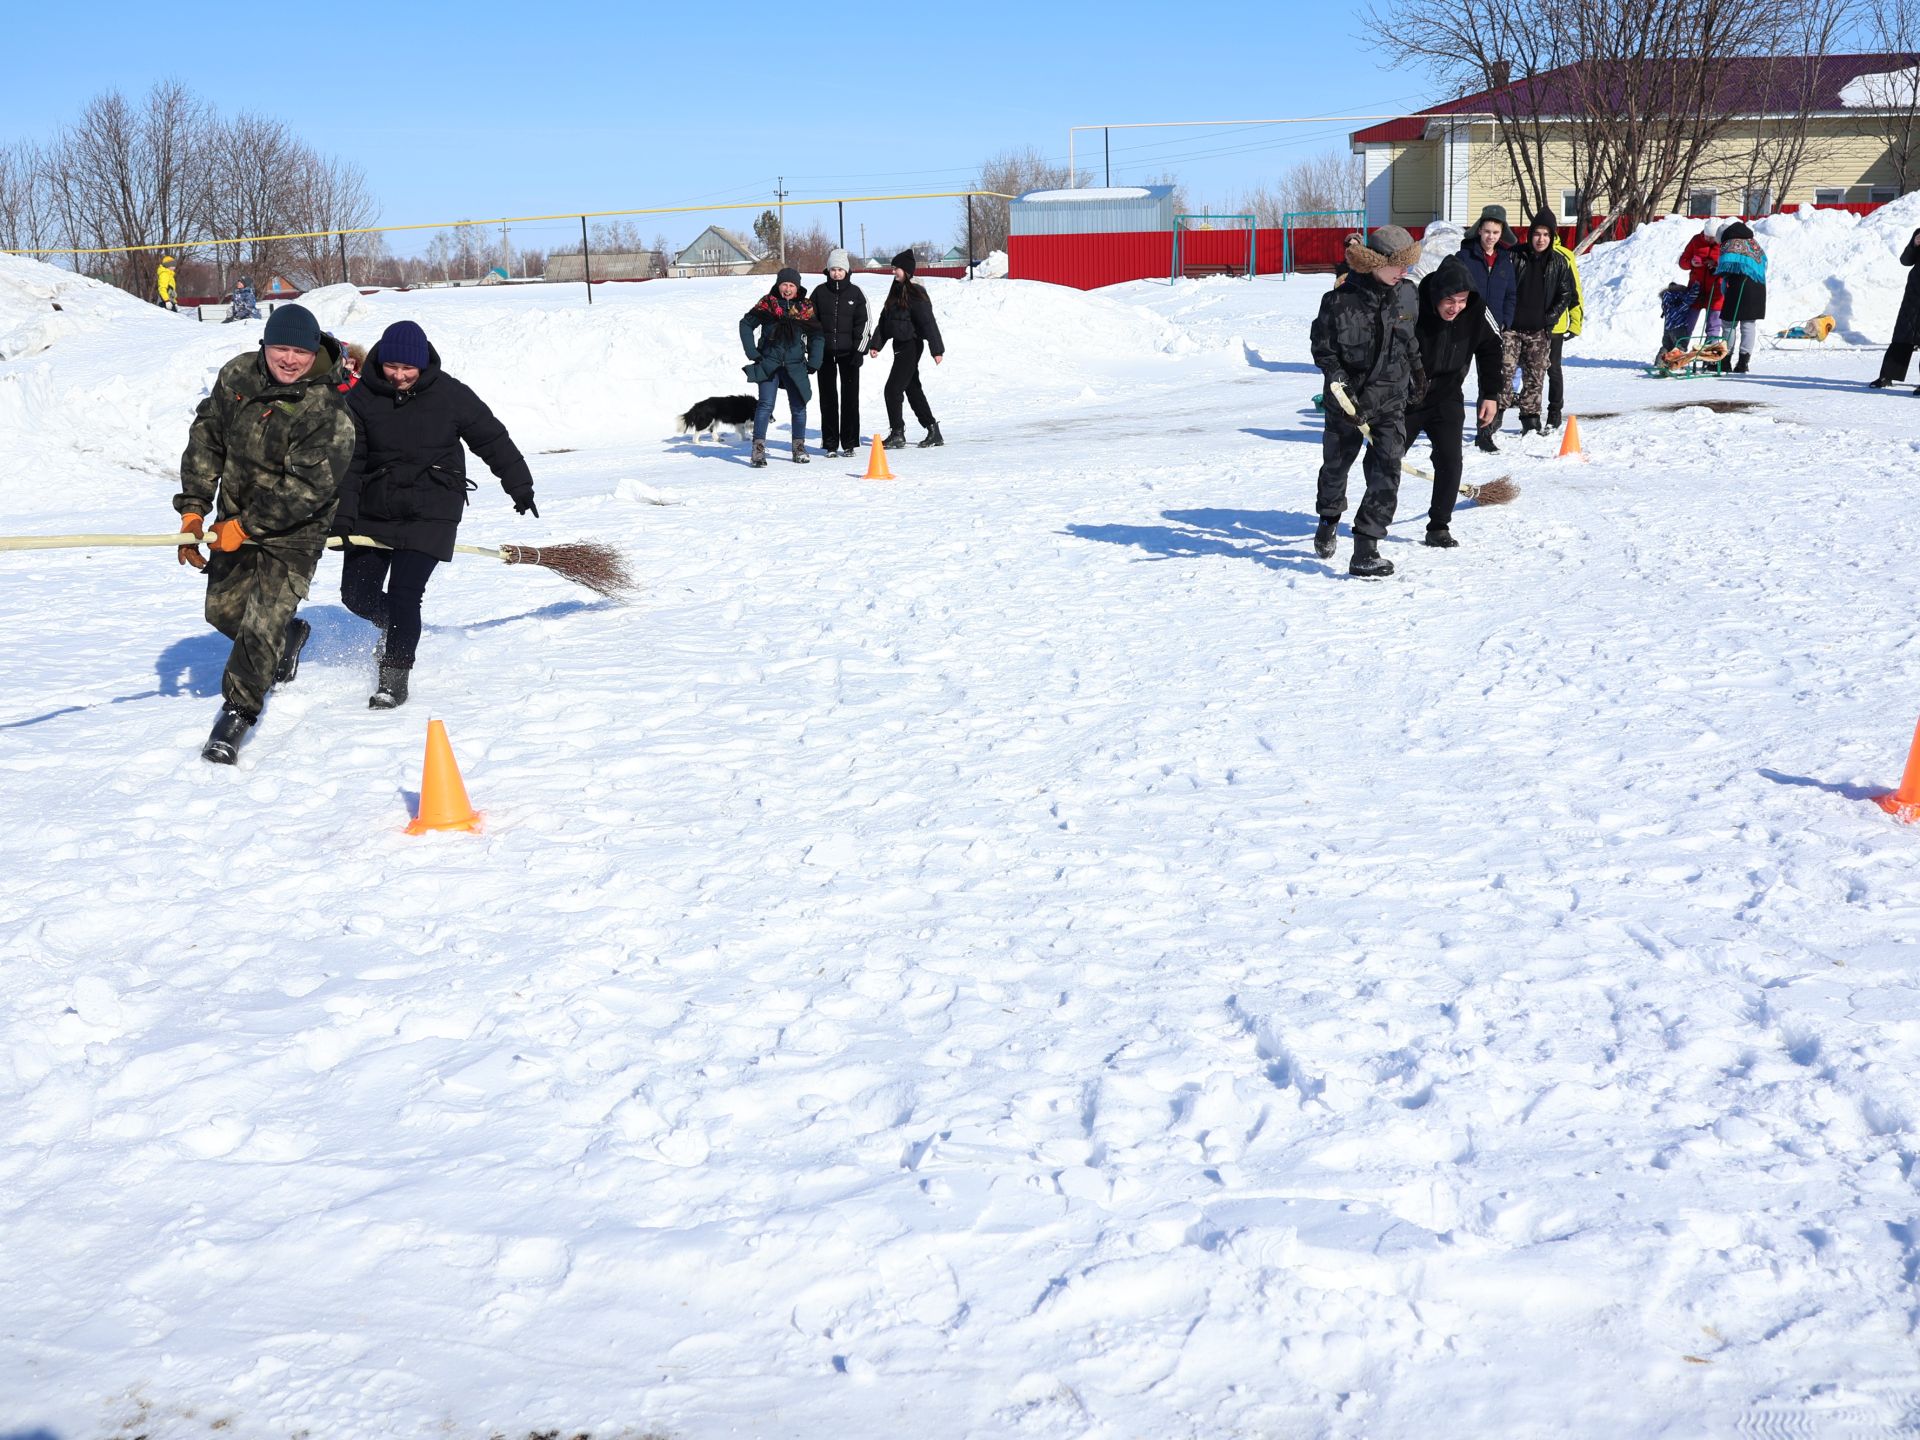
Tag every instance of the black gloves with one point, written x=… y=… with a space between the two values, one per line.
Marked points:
x=344 y=522
x=523 y=505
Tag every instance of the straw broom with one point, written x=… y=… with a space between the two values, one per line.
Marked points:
x=1495 y=492
x=600 y=568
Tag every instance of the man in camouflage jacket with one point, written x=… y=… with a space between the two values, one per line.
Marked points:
x=272 y=439
x=1364 y=343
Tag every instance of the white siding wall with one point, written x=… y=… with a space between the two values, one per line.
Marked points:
x=1379 y=185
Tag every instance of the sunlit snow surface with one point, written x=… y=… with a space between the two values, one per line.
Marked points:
x=1024 y=950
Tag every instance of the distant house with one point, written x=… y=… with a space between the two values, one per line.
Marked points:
x=714 y=252
x=954 y=256
x=1448 y=162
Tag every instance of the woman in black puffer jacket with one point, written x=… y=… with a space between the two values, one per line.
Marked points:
x=407 y=488
x=907 y=320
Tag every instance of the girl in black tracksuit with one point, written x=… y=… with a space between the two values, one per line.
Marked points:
x=841 y=308
x=907 y=320
x=407 y=488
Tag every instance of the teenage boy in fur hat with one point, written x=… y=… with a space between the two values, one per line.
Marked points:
x=1363 y=341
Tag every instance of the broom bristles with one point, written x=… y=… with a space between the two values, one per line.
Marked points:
x=600 y=568
x=1495 y=492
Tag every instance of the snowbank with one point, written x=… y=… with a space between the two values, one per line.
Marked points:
x=1818 y=262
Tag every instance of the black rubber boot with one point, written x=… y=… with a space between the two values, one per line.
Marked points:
x=1553 y=419
x=933 y=437
x=392 y=693
x=1740 y=365
x=896 y=439
x=1483 y=440
x=1326 y=537
x=223 y=745
x=1879 y=382
x=1440 y=538
x=1367 y=562
x=297 y=632
x=800 y=456
x=759 y=460
x=1530 y=425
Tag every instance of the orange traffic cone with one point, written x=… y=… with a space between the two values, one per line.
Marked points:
x=877 y=463
x=1904 y=803
x=1570 y=442
x=443 y=794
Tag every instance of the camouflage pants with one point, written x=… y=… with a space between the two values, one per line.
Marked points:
x=1531 y=351
x=252 y=593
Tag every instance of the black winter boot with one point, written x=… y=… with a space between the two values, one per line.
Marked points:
x=223 y=745
x=1325 y=536
x=1879 y=382
x=933 y=437
x=1367 y=562
x=759 y=460
x=1740 y=365
x=392 y=693
x=896 y=439
x=1483 y=440
x=1553 y=419
x=800 y=456
x=297 y=632
x=1440 y=538
x=1530 y=425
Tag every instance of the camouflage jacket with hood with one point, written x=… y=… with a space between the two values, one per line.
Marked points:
x=275 y=453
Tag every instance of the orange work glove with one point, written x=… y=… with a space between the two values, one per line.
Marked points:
x=228 y=537
x=190 y=554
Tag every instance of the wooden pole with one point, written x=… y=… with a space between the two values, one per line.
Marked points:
x=586 y=259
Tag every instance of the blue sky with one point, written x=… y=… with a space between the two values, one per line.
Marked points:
x=484 y=108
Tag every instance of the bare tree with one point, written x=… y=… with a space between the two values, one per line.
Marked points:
x=1642 y=91
x=323 y=199
x=27 y=219
x=1011 y=172
x=1893 y=29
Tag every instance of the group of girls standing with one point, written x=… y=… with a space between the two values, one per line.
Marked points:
x=790 y=336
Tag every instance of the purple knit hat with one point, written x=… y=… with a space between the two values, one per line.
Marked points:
x=404 y=343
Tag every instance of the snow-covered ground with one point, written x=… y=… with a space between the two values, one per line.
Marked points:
x=1026 y=950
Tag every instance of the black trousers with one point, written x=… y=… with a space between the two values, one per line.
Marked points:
x=1556 y=382
x=1893 y=365
x=839 y=381
x=1338 y=449
x=1439 y=419
x=903 y=381
x=386 y=587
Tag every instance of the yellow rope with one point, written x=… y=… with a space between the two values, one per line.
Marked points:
x=507 y=220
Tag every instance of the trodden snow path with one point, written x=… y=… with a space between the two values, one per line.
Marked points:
x=1024 y=950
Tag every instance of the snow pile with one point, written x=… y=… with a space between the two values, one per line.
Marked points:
x=1091 y=192
x=1818 y=262
x=994 y=267
x=1437 y=241
x=560 y=373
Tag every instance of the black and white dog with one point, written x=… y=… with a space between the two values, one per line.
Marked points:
x=717 y=411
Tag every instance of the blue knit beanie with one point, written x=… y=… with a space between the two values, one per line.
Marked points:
x=404 y=343
x=293 y=325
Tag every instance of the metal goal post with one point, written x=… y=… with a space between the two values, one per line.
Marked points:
x=1242 y=264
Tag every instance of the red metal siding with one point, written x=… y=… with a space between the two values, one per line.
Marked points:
x=1087 y=262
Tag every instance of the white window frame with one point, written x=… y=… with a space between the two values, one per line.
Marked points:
x=1829 y=194
x=1762 y=194
x=1883 y=194
x=1701 y=209
x=1573 y=207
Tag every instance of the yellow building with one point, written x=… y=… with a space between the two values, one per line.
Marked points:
x=1449 y=162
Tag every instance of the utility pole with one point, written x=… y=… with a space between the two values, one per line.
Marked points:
x=1106 y=143
x=780 y=194
x=863 y=239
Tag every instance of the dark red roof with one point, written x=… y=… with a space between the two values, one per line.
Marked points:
x=1755 y=86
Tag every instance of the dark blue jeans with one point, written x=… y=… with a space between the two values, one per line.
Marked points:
x=796 y=405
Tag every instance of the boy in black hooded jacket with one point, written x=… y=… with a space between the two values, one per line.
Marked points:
x=1454 y=331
